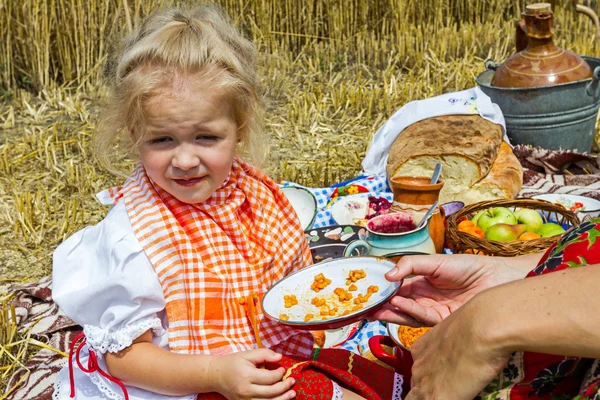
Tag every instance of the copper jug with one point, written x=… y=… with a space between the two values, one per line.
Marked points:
x=541 y=63
x=417 y=194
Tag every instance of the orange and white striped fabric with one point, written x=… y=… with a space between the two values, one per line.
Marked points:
x=243 y=239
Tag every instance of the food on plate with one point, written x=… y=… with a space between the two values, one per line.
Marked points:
x=477 y=164
x=342 y=294
x=320 y=283
x=408 y=335
x=290 y=300
x=364 y=298
x=355 y=275
x=340 y=302
x=318 y=301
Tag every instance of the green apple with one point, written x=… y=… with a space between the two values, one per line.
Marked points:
x=531 y=218
x=496 y=215
x=550 y=229
x=476 y=217
x=505 y=232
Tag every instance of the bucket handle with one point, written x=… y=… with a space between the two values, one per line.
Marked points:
x=491 y=64
x=592 y=88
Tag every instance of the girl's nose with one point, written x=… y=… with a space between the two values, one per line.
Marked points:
x=185 y=159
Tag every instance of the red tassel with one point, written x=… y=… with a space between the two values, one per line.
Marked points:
x=92 y=365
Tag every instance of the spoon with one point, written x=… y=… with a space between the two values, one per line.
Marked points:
x=436 y=174
x=427 y=214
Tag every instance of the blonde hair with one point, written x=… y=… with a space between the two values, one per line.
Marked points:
x=201 y=43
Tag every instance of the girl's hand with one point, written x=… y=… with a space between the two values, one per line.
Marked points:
x=237 y=376
x=442 y=284
x=456 y=359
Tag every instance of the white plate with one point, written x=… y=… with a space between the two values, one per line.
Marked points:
x=304 y=203
x=299 y=284
x=591 y=207
x=346 y=209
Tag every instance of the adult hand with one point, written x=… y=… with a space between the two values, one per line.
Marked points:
x=457 y=358
x=442 y=284
x=238 y=376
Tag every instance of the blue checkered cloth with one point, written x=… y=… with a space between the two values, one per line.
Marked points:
x=359 y=342
x=377 y=186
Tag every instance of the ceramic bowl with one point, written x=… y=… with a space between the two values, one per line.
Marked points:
x=304 y=203
x=393 y=333
x=590 y=207
x=299 y=284
x=452 y=207
x=346 y=209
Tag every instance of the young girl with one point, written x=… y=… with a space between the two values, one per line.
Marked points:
x=156 y=285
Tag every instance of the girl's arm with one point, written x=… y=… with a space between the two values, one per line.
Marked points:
x=149 y=367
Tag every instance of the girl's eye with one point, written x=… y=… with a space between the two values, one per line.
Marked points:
x=208 y=138
x=158 y=140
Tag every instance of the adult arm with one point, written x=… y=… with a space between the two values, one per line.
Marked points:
x=554 y=314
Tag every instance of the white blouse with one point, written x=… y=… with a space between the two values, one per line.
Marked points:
x=103 y=280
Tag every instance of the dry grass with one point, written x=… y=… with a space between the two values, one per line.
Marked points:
x=332 y=72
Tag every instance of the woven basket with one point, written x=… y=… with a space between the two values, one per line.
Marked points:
x=462 y=242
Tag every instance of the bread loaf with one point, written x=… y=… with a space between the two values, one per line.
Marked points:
x=504 y=181
x=468 y=146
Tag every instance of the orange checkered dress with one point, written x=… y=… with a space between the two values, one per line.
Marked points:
x=241 y=240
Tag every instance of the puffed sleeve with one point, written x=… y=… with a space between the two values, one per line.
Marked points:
x=103 y=280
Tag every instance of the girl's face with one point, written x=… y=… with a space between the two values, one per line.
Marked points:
x=190 y=141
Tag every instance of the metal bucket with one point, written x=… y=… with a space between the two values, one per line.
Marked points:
x=553 y=117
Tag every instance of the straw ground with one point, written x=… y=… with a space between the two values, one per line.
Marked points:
x=332 y=72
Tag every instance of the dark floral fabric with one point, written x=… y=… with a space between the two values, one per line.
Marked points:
x=535 y=376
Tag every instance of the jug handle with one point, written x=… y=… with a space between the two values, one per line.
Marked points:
x=593 y=16
x=357 y=245
x=592 y=88
x=491 y=64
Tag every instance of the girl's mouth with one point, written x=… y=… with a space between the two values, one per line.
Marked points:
x=190 y=182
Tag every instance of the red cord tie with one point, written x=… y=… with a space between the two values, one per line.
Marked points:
x=92 y=365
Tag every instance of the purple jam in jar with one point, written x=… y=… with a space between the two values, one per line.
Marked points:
x=392 y=223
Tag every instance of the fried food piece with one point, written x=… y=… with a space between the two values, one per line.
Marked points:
x=290 y=300
x=318 y=301
x=342 y=294
x=320 y=283
x=353 y=288
x=354 y=275
x=284 y=317
x=363 y=299
x=308 y=317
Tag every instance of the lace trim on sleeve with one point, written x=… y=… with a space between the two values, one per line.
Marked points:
x=102 y=340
